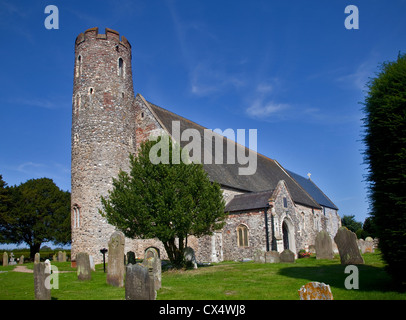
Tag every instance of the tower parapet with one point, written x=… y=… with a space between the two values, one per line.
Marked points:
x=110 y=34
x=103 y=131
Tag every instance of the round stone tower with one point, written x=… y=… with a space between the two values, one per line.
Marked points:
x=103 y=132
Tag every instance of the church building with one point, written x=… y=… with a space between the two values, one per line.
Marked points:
x=270 y=210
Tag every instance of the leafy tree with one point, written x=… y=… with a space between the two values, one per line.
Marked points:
x=4 y=197
x=168 y=201
x=369 y=227
x=385 y=154
x=350 y=223
x=38 y=212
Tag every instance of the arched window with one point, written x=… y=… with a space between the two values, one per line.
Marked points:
x=242 y=235
x=76 y=216
x=120 y=67
x=79 y=66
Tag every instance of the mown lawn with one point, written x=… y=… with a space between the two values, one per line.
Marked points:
x=223 y=281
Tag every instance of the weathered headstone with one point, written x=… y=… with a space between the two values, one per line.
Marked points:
x=83 y=266
x=315 y=291
x=131 y=257
x=5 y=259
x=138 y=283
x=259 y=256
x=41 y=272
x=60 y=257
x=287 y=256
x=92 y=265
x=346 y=241
x=190 y=257
x=272 y=257
x=21 y=261
x=12 y=261
x=154 y=265
x=115 y=266
x=324 y=246
x=369 y=245
x=37 y=258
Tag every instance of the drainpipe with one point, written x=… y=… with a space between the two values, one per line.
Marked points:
x=266 y=228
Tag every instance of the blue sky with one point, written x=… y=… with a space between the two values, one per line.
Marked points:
x=289 y=69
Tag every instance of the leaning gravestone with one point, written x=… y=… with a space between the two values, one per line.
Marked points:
x=115 y=266
x=5 y=259
x=83 y=266
x=138 y=283
x=315 y=291
x=287 y=256
x=154 y=265
x=324 y=246
x=346 y=241
x=41 y=272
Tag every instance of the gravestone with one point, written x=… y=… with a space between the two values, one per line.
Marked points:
x=131 y=257
x=190 y=257
x=41 y=272
x=115 y=266
x=315 y=291
x=83 y=266
x=47 y=266
x=346 y=241
x=369 y=245
x=272 y=257
x=92 y=265
x=324 y=246
x=259 y=256
x=154 y=265
x=21 y=261
x=5 y=259
x=60 y=257
x=287 y=256
x=138 y=283
x=12 y=261
x=37 y=258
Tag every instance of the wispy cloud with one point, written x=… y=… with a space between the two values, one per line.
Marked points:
x=360 y=76
x=261 y=109
x=206 y=78
x=44 y=103
x=207 y=71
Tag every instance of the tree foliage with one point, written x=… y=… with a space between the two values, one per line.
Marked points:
x=168 y=201
x=35 y=212
x=385 y=154
x=350 y=223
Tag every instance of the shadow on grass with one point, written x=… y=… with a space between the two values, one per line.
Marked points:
x=370 y=278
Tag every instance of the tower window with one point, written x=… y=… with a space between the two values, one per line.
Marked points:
x=79 y=66
x=76 y=216
x=91 y=90
x=242 y=235
x=120 y=67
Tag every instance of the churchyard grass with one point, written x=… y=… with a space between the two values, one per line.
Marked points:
x=223 y=281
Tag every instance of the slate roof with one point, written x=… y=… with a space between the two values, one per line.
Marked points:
x=312 y=189
x=269 y=172
x=247 y=201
